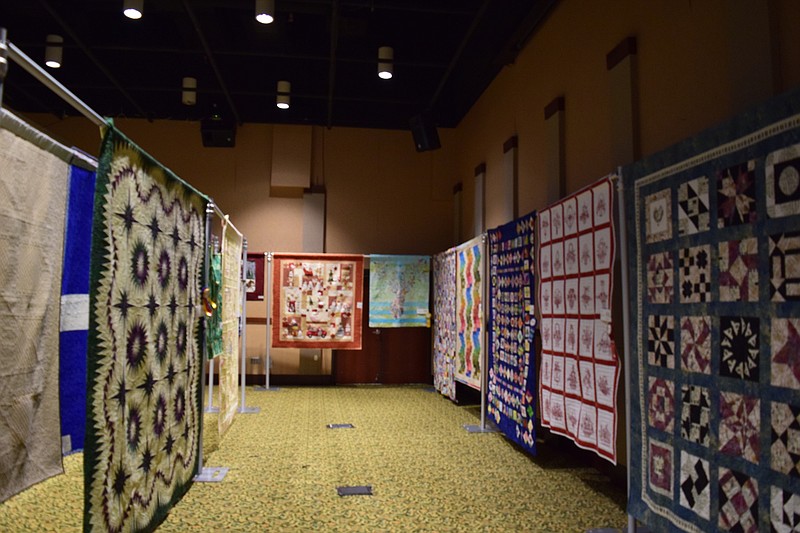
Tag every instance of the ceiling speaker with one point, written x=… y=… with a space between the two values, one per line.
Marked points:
x=424 y=131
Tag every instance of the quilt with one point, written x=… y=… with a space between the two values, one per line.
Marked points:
x=212 y=301
x=33 y=198
x=231 y=313
x=75 y=308
x=579 y=364
x=444 y=322
x=715 y=273
x=399 y=286
x=144 y=359
x=317 y=301
x=512 y=326
x=469 y=311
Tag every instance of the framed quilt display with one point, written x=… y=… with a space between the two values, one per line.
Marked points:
x=317 y=301
x=579 y=364
x=399 y=286
x=510 y=400
x=715 y=276
x=469 y=311
x=144 y=358
x=444 y=322
x=254 y=276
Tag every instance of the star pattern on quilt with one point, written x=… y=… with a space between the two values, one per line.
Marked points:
x=739 y=426
x=695 y=414
x=696 y=344
x=785 y=447
x=695 y=484
x=693 y=207
x=784 y=267
x=660 y=343
x=785 y=349
x=784 y=513
x=659 y=468
x=739 y=347
x=661 y=404
x=736 y=195
x=738 y=501
x=783 y=181
x=660 y=278
x=658 y=210
x=738 y=270
x=695 y=274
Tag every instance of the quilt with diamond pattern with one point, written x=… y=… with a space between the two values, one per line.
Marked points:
x=715 y=276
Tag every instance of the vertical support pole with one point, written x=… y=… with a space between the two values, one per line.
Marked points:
x=268 y=361
x=243 y=328
x=211 y=408
x=484 y=321
x=3 y=61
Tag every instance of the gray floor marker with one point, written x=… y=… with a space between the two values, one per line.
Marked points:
x=340 y=426
x=355 y=490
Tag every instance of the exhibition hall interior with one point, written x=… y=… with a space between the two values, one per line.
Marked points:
x=400 y=265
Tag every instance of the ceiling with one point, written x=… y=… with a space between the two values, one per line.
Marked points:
x=446 y=52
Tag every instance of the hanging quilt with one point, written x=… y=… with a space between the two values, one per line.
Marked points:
x=75 y=309
x=399 y=286
x=715 y=277
x=231 y=313
x=469 y=312
x=317 y=301
x=212 y=302
x=444 y=322
x=254 y=276
x=33 y=197
x=579 y=363
x=144 y=363
x=512 y=325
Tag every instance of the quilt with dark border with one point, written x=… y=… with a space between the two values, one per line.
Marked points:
x=317 y=301
x=444 y=322
x=512 y=327
x=144 y=359
x=469 y=311
x=579 y=364
x=715 y=272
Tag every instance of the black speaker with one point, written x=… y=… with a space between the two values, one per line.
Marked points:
x=218 y=132
x=424 y=131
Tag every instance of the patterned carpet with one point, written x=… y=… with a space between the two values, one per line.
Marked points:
x=426 y=471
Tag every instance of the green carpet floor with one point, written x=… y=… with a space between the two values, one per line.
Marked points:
x=427 y=473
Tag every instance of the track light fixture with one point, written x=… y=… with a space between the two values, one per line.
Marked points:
x=133 y=9
x=385 y=62
x=283 y=99
x=53 y=51
x=189 y=92
x=265 y=11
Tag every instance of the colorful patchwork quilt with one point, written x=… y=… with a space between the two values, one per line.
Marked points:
x=399 y=286
x=512 y=326
x=213 y=307
x=715 y=277
x=444 y=322
x=231 y=313
x=469 y=311
x=579 y=364
x=317 y=301
x=144 y=360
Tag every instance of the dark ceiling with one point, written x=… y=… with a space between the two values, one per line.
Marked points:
x=446 y=52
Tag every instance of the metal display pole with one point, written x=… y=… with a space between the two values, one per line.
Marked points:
x=268 y=357
x=211 y=408
x=243 y=328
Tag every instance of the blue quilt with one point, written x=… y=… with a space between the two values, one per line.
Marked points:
x=715 y=374
x=512 y=326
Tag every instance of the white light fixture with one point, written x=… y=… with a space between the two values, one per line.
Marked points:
x=53 y=50
x=265 y=11
x=133 y=9
x=283 y=99
x=189 y=93
x=385 y=62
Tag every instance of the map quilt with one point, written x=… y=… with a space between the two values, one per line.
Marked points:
x=469 y=311
x=579 y=364
x=317 y=301
x=715 y=273
x=512 y=327
x=444 y=322
x=399 y=287
x=144 y=359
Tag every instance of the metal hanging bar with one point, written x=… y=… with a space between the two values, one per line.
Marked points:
x=243 y=327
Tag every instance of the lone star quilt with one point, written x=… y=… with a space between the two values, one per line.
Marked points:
x=144 y=359
x=579 y=363
x=469 y=312
x=317 y=301
x=33 y=199
x=444 y=322
x=512 y=372
x=75 y=309
x=399 y=286
x=715 y=322
x=231 y=312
